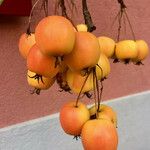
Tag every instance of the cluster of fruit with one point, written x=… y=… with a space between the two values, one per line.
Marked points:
x=77 y=59
x=56 y=46
x=96 y=129
x=129 y=50
x=125 y=50
x=59 y=51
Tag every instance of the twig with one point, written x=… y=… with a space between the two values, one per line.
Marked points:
x=120 y=26
x=122 y=12
x=94 y=86
x=87 y=17
x=101 y=90
x=30 y=17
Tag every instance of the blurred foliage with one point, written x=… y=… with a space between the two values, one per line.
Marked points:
x=1 y=1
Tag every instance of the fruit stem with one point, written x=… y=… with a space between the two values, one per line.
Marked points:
x=101 y=90
x=94 y=87
x=98 y=93
x=115 y=19
x=45 y=5
x=120 y=26
x=30 y=17
x=76 y=105
x=120 y=15
x=131 y=28
x=87 y=17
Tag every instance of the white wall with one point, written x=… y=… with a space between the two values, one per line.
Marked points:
x=46 y=133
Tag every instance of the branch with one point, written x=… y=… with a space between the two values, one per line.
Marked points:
x=87 y=17
x=122 y=4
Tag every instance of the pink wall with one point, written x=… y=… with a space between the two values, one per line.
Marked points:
x=16 y=102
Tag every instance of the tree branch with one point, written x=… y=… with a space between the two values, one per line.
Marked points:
x=87 y=17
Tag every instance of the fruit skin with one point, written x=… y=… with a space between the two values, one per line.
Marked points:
x=75 y=81
x=41 y=64
x=99 y=134
x=85 y=53
x=143 y=50
x=25 y=43
x=55 y=35
x=104 y=63
x=82 y=27
x=46 y=84
x=107 y=46
x=126 y=49
x=73 y=118
x=106 y=112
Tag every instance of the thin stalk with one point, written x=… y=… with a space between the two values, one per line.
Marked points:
x=124 y=22
x=82 y=89
x=94 y=91
x=115 y=19
x=131 y=28
x=30 y=17
x=122 y=9
x=98 y=93
x=101 y=90
x=120 y=24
